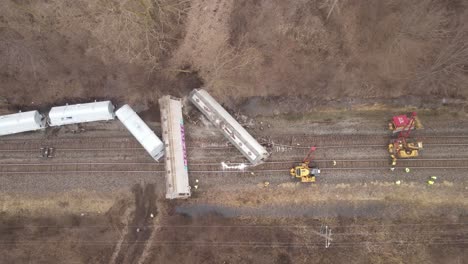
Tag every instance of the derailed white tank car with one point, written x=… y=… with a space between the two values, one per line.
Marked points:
x=21 y=122
x=173 y=134
x=81 y=113
x=140 y=130
x=231 y=129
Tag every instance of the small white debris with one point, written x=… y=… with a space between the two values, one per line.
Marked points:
x=240 y=166
x=196 y=180
x=152 y=215
x=138 y=230
x=82 y=214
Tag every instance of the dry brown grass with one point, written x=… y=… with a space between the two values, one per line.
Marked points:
x=231 y=68
x=427 y=51
x=295 y=194
x=447 y=72
x=139 y=32
x=63 y=203
x=419 y=29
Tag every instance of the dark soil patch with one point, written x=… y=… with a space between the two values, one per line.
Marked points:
x=72 y=237
x=140 y=228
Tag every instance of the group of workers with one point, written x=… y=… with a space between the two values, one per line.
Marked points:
x=431 y=180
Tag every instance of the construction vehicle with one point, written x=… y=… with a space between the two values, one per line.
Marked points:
x=305 y=170
x=402 y=123
x=403 y=147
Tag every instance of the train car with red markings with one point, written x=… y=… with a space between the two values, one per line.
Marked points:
x=173 y=134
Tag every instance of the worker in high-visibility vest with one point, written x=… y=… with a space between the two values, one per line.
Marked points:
x=432 y=180
x=398 y=182
x=407 y=170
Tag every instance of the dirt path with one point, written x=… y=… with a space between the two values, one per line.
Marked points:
x=155 y=225
x=123 y=235
x=140 y=228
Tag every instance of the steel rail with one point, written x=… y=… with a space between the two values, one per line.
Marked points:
x=265 y=164
x=219 y=163
x=129 y=142
x=129 y=137
x=456 y=162
x=285 y=171
x=286 y=147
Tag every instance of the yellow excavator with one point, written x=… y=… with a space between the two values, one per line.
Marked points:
x=304 y=170
x=402 y=147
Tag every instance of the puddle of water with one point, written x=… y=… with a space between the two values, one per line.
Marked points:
x=319 y=210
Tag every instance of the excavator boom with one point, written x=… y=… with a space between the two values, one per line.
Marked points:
x=400 y=148
x=304 y=171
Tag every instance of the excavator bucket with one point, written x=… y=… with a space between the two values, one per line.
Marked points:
x=308 y=179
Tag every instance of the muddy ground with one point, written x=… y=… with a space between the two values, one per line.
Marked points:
x=283 y=67
x=136 y=228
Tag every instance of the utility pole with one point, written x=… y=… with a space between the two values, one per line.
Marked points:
x=326 y=234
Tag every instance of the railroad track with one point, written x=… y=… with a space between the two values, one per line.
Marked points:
x=368 y=164
x=276 y=144
x=276 y=166
x=330 y=140
x=297 y=145
x=89 y=144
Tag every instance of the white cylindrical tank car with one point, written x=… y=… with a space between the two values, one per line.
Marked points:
x=21 y=122
x=81 y=113
x=173 y=134
x=233 y=131
x=145 y=136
